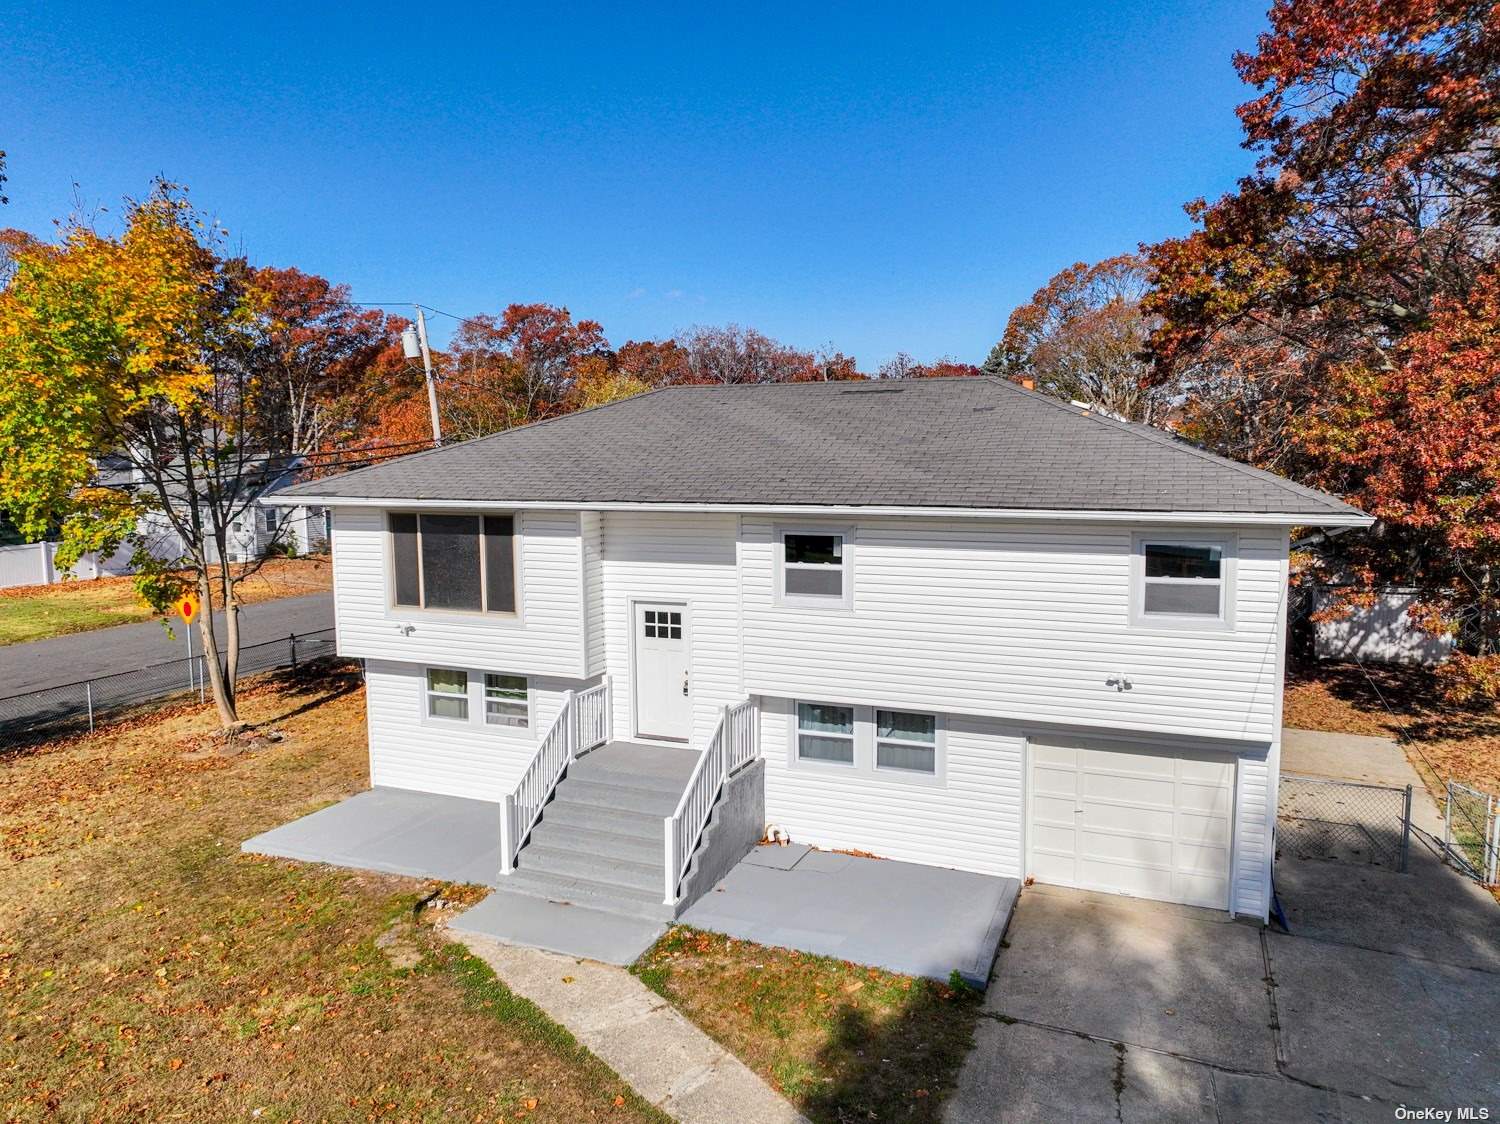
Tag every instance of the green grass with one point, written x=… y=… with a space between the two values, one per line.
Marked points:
x=842 y=1042
x=72 y=607
x=148 y=970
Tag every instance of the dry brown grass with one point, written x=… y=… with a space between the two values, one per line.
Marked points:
x=148 y=970
x=35 y=612
x=841 y=1041
x=1456 y=742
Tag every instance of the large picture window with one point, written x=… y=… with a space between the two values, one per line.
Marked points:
x=454 y=561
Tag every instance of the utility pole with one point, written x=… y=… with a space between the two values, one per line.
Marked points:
x=412 y=345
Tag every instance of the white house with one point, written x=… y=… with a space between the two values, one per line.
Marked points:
x=950 y=621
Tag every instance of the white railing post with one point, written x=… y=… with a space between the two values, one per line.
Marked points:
x=609 y=708
x=669 y=838
x=507 y=816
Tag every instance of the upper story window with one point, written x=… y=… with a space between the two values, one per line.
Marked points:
x=814 y=568
x=1182 y=581
x=446 y=561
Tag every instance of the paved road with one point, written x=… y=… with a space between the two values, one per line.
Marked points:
x=85 y=655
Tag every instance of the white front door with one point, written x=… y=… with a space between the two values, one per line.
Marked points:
x=663 y=706
x=1147 y=823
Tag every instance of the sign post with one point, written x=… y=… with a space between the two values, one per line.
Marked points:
x=187 y=608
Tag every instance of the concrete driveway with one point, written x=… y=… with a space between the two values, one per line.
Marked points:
x=1386 y=993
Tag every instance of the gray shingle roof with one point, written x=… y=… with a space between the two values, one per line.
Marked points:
x=963 y=442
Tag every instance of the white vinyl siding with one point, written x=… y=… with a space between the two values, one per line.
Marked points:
x=1019 y=621
x=972 y=821
x=545 y=637
x=683 y=559
x=455 y=758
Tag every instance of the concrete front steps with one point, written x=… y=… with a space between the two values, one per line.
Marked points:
x=599 y=843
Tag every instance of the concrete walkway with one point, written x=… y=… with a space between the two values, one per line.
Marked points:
x=666 y=1059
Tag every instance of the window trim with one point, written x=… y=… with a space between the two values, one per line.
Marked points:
x=513 y=616
x=845 y=600
x=863 y=766
x=428 y=694
x=1223 y=621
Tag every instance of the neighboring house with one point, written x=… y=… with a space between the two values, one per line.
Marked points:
x=249 y=535
x=957 y=622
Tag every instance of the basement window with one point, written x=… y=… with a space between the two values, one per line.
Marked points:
x=447 y=694
x=906 y=742
x=506 y=700
x=825 y=733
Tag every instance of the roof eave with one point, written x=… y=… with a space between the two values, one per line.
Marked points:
x=1347 y=518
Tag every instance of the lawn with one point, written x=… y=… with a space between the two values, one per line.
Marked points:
x=841 y=1041
x=38 y=611
x=1457 y=742
x=148 y=970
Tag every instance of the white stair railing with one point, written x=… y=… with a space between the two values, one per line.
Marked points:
x=582 y=724
x=732 y=747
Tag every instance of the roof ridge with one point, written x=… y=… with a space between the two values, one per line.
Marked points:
x=1168 y=440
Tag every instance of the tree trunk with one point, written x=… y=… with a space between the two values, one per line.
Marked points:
x=222 y=688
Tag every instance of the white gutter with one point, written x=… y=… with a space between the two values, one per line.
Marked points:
x=1031 y=515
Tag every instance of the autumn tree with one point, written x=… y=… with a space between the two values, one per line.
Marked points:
x=732 y=354
x=654 y=362
x=903 y=366
x=1081 y=337
x=314 y=353
x=1362 y=245
x=133 y=349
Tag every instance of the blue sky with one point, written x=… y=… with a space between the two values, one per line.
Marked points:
x=875 y=177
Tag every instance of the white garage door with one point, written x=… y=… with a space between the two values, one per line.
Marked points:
x=1149 y=823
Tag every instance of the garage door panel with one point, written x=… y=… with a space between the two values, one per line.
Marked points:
x=1129 y=817
x=1055 y=780
x=1127 y=878
x=1116 y=761
x=1204 y=798
x=1148 y=823
x=1131 y=850
x=1139 y=790
x=1192 y=828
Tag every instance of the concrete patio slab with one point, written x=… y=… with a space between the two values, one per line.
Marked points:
x=396 y=831
x=778 y=857
x=1169 y=978
x=917 y=920
x=512 y=918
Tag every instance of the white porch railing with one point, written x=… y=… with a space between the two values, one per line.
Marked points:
x=582 y=724
x=732 y=747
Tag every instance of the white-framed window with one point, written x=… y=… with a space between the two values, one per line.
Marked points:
x=813 y=567
x=825 y=733
x=442 y=560
x=906 y=741
x=507 y=700
x=448 y=693
x=1182 y=581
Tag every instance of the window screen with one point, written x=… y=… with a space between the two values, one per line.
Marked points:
x=404 y=549
x=505 y=700
x=447 y=693
x=825 y=733
x=450 y=561
x=813 y=566
x=500 y=563
x=1182 y=580
x=905 y=741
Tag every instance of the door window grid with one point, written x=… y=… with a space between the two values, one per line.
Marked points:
x=662 y=624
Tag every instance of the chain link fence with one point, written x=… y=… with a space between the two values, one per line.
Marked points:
x=1344 y=821
x=1471 y=832
x=72 y=707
